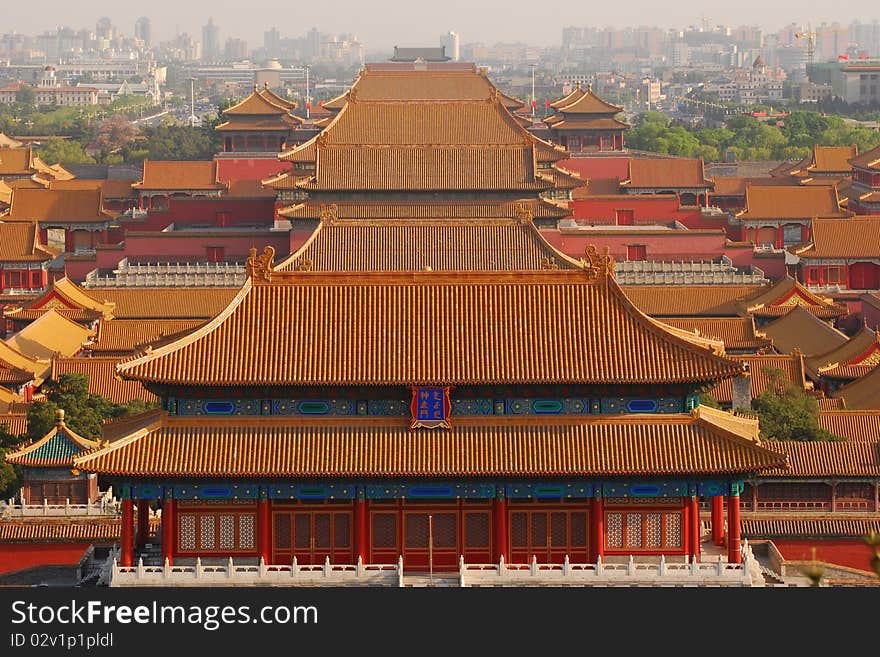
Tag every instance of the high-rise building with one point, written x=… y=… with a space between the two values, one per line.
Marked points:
x=104 y=29
x=452 y=42
x=272 y=42
x=142 y=31
x=210 y=41
x=236 y=49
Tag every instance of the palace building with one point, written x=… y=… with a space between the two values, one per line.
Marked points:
x=426 y=379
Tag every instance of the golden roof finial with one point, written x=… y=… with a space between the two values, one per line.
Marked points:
x=59 y=417
x=329 y=213
x=522 y=212
x=260 y=267
x=600 y=267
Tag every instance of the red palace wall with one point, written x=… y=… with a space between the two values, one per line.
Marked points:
x=849 y=552
x=597 y=167
x=192 y=246
x=871 y=315
x=694 y=245
x=233 y=168
x=18 y=556
x=646 y=210
x=204 y=211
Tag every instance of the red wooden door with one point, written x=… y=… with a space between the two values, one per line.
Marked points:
x=548 y=535
x=312 y=535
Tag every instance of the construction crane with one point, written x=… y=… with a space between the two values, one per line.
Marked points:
x=810 y=36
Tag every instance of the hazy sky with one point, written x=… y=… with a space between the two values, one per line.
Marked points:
x=383 y=23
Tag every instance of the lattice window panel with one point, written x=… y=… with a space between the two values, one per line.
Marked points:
x=246 y=531
x=519 y=533
x=322 y=530
x=445 y=534
x=187 y=540
x=282 y=530
x=614 y=530
x=385 y=530
x=673 y=530
x=302 y=530
x=858 y=491
x=207 y=532
x=476 y=530
x=227 y=532
x=633 y=530
x=578 y=533
x=539 y=529
x=342 y=530
x=558 y=529
x=416 y=530
x=653 y=533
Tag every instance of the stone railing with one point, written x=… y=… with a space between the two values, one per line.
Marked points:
x=103 y=507
x=232 y=574
x=631 y=573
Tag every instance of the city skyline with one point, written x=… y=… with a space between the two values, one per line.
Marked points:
x=492 y=21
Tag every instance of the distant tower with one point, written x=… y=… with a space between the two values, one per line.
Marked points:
x=210 y=41
x=142 y=31
x=49 y=80
x=272 y=43
x=759 y=65
x=452 y=42
x=104 y=29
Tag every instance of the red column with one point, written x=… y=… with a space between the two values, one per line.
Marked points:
x=264 y=532
x=499 y=525
x=597 y=527
x=717 y=520
x=125 y=534
x=695 y=526
x=143 y=523
x=361 y=542
x=779 y=237
x=168 y=530
x=686 y=525
x=68 y=240
x=733 y=555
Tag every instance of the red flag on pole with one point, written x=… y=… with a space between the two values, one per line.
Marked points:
x=308 y=106
x=534 y=103
x=840 y=57
x=547 y=104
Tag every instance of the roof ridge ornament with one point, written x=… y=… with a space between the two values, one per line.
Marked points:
x=599 y=267
x=522 y=213
x=259 y=267
x=329 y=213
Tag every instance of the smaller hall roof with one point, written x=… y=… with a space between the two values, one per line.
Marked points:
x=103 y=380
x=666 y=173
x=587 y=103
x=126 y=336
x=64 y=297
x=849 y=360
x=792 y=202
x=69 y=206
x=800 y=329
x=735 y=332
x=58 y=448
x=859 y=426
x=863 y=393
x=50 y=335
x=783 y=296
x=180 y=175
x=690 y=300
x=858 y=237
x=20 y=242
x=760 y=368
x=867 y=160
x=826 y=458
x=832 y=159
x=575 y=94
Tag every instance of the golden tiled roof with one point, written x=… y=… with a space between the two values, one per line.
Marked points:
x=261 y=124
x=16 y=161
x=867 y=160
x=735 y=332
x=808 y=527
x=830 y=404
x=39 y=367
x=102 y=378
x=112 y=188
x=433 y=245
x=12 y=376
x=801 y=329
x=735 y=186
x=589 y=123
x=575 y=94
x=538 y=208
x=16 y=423
x=832 y=159
x=587 y=103
x=64 y=297
x=58 y=448
x=124 y=336
x=852 y=425
x=272 y=97
x=786 y=294
x=63 y=530
x=165 y=303
x=666 y=173
x=58 y=206
x=426 y=168
x=19 y=242
x=8 y=142
x=569 y=329
x=862 y=349
x=858 y=237
x=759 y=365
x=601 y=446
x=50 y=335
x=257 y=103
x=827 y=458
x=179 y=174
x=863 y=393
x=792 y=202
x=689 y=300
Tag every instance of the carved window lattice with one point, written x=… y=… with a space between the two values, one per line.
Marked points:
x=519 y=533
x=445 y=531
x=341 y=530
x=282 y=530
x=614 y=530
x=207 y=532
x=653 y=534
x=476 y=530
x=302 y=531
x=187 y=532
x=673 y=529
x=246 y=532
x=578 y=534
x=633 y=530
x=416 y=530
x=385 y=530
x=322 y=530
x=227 y=532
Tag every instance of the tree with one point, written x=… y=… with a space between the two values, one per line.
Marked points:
x=786 y=412
x=63 y=151
x=8 y=476
x=84 y=412
x=26 y=97
x=111 y=135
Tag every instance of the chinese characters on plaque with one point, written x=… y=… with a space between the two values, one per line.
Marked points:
x=431 y=408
